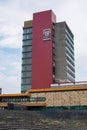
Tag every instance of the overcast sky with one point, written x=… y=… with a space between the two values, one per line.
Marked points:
x=12 y=15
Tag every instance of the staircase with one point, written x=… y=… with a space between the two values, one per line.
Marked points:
x=43 y=120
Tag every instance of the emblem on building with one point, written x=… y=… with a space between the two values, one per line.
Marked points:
x=47 y=34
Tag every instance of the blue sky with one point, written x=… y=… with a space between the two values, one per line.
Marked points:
x=12 y=15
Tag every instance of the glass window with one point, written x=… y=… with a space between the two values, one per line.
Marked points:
x=24 y=37
x=24 y=31
x=37 y=99
x=25 y=87
x=70 y=53
x=70 y=60
x=27 y=55
x=32 y=100
x=27 y=48
x=26 y=74
x=69 y=64
x=27 y=61
x=27 y=42
x=27 y=30
x=69 y=42
x=30 y=36
x=13 y=99
x=27 y=36
x=70 y=68
x=70 y=72
x=3 y=100
x=69 y=48
x=30 y=30
x=26 y=67
x=69 y=36
x=69 y=77
x=26 y=81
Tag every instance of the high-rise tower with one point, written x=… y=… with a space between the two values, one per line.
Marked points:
x=48 y=52
x=64 y=53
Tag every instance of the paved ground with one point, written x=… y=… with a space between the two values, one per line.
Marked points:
x=43 y=120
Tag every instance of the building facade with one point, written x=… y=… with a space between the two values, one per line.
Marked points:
x=70 y=97
x=27 y=56
x=48 y=52
x=64 y=53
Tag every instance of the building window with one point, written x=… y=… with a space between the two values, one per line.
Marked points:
x=27 y=30
x=26 y=74
x=27 y=48
x=27 y=42
x=27 y=55
x=26 y=67
x=37 y=99
x=27 y=61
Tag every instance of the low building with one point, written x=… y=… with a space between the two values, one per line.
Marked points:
x=69 y=97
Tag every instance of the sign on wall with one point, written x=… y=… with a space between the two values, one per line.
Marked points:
x=47 y=34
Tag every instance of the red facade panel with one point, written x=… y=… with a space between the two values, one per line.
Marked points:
x=42 y=70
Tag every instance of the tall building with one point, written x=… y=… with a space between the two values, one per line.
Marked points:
x=64 y=53
x=48 y=52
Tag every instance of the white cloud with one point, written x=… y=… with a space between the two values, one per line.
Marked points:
x=11 y=36
x=10 y=72
x=9 y=84
x=2 y=68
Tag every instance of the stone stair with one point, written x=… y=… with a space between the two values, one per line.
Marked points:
x=43 y=120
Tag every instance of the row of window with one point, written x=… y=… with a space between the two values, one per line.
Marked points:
x=28 y=36
x=70 y=78
x=70 y=60
x=69 y=53
x=27 y=30
x=69 y=49
x=70 y=68
x=69 y=36
x=27 y=42
x=71 y=72
x=26 y=74
x=25 y=87
x=27 y=48
x=70 y=65
x=70 y=43
x=26 y=67
x=27 y=55
x=37 y=99
x=33 y=99
x=27 y=61
x=26 y=81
